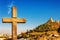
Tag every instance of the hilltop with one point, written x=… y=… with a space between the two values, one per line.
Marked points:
x=50 y=25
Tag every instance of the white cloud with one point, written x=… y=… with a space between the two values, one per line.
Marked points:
x=10 y=6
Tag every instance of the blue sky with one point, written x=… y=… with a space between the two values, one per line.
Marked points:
x=36 y=13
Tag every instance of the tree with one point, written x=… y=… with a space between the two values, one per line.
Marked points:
x=58 y=30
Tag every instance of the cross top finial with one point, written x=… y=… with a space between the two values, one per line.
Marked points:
x=14 y=12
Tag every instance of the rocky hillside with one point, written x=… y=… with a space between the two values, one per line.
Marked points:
x=47 y=31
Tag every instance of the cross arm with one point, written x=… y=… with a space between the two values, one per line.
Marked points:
x=6 y=20
x=21 y=20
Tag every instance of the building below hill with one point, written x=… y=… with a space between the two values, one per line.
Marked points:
x=3 y=37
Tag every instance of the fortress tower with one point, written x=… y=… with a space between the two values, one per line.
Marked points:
x=51 y=20
x=57 y=21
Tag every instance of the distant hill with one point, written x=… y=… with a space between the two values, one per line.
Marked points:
x=50 y=25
